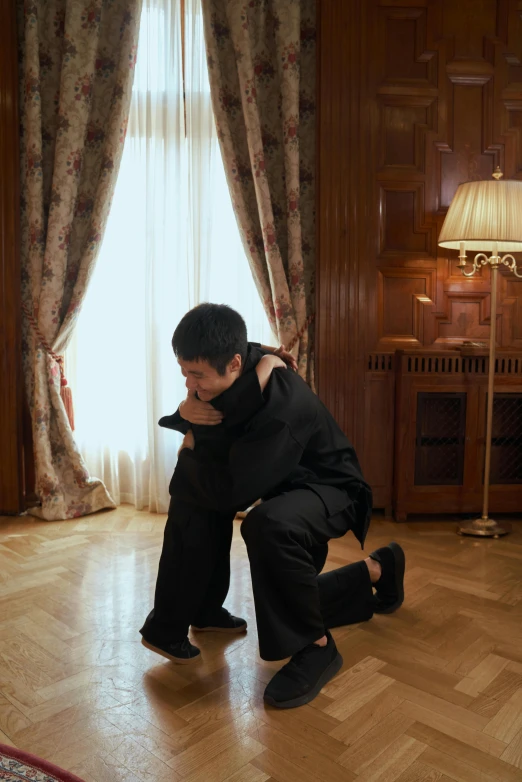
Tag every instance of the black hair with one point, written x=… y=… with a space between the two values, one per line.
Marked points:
x=213 y=333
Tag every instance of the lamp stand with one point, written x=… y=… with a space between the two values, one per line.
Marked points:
x=485 y=527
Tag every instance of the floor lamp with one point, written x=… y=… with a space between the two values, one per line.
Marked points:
x=486 y=217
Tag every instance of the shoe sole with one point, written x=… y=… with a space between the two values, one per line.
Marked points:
x=400 y=567
x=334 y=668
x=229 y=630
x=177 y=660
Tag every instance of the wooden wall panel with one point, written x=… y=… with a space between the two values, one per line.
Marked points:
x=11 y=470
x=416 y=96
x=376 y=451
x=342 y=206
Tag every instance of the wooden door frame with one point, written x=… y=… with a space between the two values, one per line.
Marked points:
x=11 y=387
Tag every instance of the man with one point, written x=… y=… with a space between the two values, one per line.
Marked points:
x=194 y=569
x=283 y=446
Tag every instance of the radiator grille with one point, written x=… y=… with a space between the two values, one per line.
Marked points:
x=441 y=422
x=458 y=365
x=506 y=442
x=380 y=362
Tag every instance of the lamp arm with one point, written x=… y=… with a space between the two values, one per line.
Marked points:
x=480 y=259
x=510 y=262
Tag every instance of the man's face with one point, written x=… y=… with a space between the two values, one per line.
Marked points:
x=204 y=379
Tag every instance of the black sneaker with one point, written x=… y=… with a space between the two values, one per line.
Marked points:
x=301 y=680
x=181 y=652
x=390 y=587
x=223 y=623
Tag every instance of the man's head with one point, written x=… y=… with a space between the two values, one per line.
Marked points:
x=210 y=343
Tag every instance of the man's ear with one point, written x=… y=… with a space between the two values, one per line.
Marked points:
x=235 y=364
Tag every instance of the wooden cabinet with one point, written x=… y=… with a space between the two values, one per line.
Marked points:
x=440 y=430
x=414 y=98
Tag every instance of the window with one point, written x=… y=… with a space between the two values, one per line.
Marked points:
x=171 y=242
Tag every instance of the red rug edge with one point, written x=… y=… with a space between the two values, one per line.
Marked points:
x=38 y=763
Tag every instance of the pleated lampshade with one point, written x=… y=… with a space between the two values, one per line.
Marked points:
x=483 y=213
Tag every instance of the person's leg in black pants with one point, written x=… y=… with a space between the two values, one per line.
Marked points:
x=193 y=575
x=285 y=538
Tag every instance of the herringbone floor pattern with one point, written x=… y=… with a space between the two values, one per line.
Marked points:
x=431 y=693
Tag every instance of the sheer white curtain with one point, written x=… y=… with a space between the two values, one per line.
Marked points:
x=171 y=242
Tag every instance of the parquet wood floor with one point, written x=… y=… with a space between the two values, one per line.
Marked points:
x=433 y=693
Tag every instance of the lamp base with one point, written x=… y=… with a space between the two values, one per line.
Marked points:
x=484 y=528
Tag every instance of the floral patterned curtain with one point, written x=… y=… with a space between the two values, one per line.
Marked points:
x=76 y=72
x=261 y=58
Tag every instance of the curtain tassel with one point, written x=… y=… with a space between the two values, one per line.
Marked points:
x=67 y=399
x=65 y=390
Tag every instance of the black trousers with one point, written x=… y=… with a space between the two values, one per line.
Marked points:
x=193 y=574
x=287 y=541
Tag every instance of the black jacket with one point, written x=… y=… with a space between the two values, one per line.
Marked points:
x=268 y=443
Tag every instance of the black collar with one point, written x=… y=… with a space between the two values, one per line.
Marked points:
x=229 y=402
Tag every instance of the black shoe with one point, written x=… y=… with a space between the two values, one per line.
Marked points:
x=223 y=623
x=390 y=587
x=300 y=681
x=181 y=652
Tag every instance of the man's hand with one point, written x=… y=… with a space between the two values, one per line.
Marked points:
x=195 y=411
x=265 y=368
x=188 y=442
x=286 y=357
